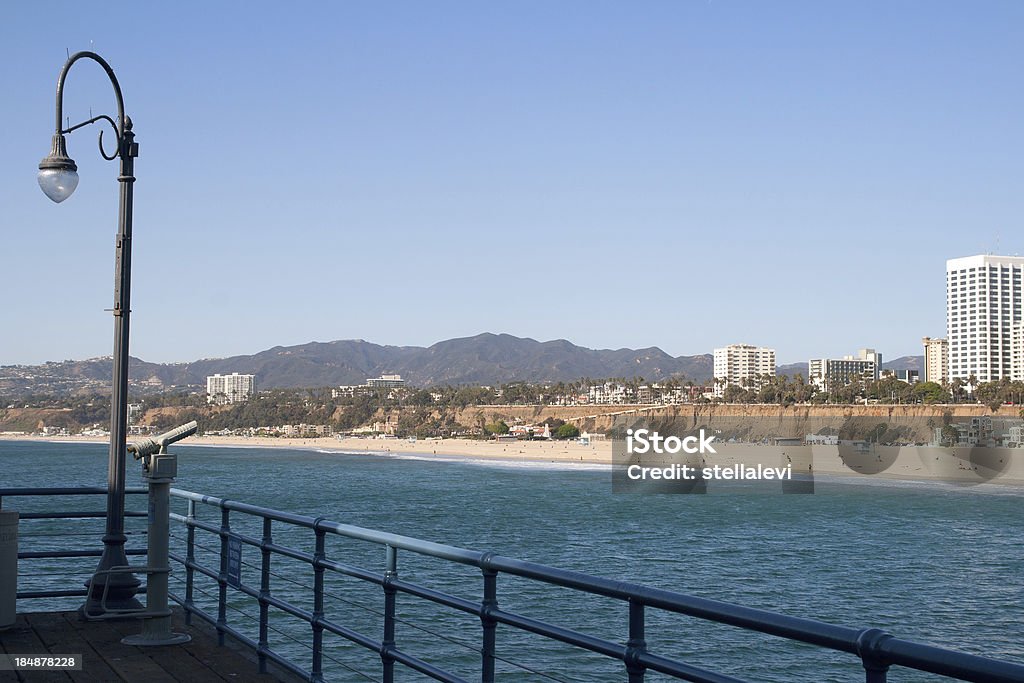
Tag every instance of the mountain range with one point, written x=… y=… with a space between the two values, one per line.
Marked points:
x=482 y=359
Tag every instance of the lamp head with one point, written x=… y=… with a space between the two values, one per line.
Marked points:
x=58 y=174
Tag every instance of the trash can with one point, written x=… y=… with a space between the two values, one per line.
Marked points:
x=8 y=568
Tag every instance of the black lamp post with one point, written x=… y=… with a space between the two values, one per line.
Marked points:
x=58 y=177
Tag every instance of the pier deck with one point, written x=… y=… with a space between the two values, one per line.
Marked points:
x=106 y=659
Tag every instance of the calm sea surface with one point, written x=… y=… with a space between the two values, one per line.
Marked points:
x=925 y=561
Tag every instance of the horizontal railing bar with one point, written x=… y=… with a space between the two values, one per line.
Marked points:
x=351 y=570
x=429 y=548
x=599 y=645
x=197 y=523
x=69 y=593
x=292 y=553
x=255 y=510
x=67 y=491
x=452 y=601
x=76 y=514
x=43 y=554
x=280 y=604
x=209 y=573
x=936 y=660
x=349 y=634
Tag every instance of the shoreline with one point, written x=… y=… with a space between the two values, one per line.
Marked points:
x=907 y=467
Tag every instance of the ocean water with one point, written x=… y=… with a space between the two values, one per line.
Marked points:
x=925 y=561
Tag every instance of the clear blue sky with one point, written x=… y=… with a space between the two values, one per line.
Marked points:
x=679 y=174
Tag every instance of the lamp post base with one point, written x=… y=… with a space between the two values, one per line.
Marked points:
x=112 y=587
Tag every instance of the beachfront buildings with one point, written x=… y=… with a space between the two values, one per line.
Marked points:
x=382 y=382
x=742 y=365
x=233 y=388
x=609 y=393
x=830 y=373
x=983 y=303
x=936 y=360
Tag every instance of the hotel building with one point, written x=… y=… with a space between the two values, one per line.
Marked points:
x=983 y=304
x=742 y=365
x=233 y=388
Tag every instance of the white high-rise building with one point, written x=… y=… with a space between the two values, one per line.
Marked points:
x=742 y=365
x=1017 y=352
x=983 y=303
x=233 y=388
x=936 y=360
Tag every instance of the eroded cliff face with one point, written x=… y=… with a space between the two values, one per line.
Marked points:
x=908 y=423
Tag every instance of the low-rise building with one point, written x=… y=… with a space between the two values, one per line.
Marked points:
x=386 y=382
x=830 y=373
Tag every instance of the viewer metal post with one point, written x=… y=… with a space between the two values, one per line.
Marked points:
x=58 y=178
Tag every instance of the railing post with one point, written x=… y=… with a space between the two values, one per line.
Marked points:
x=317 y=674
x=264 y=642
x=222 y=577
x=190 y=560
x=868 y=643
x=390 y=594
x=490 y=626
x=637 y=644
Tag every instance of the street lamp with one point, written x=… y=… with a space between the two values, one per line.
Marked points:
x=58 y=178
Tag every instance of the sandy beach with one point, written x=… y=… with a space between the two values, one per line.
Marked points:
x=534 y=451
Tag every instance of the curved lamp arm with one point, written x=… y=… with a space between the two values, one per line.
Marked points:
x=58 y=173
x=113 y=81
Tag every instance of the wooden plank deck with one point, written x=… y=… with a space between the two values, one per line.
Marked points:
x=106 y=659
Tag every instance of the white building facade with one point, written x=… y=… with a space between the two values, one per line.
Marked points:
x=386 y=382
x=830 y=373
x=1017 y=352
x=983 y=304
x=936 y=360
x=742 y=365
x=233 y=388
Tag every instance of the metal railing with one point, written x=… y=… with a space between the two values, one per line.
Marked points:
x=876 y=649
x=65 y=533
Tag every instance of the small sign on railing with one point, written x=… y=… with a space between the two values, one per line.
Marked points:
x=234 y=561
